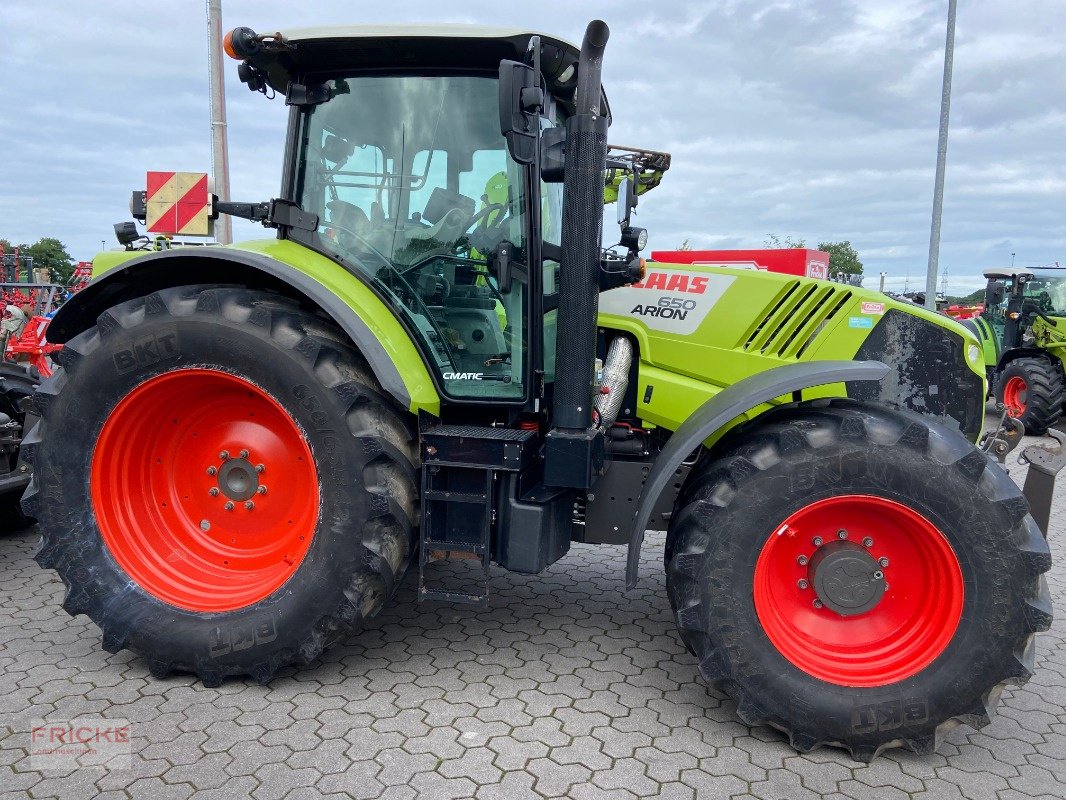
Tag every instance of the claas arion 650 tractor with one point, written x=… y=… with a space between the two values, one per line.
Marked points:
x=248 y=447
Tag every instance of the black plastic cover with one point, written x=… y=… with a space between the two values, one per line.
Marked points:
x=928 y=372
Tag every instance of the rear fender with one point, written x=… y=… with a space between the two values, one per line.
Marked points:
x=280 y=265
x=721 y=409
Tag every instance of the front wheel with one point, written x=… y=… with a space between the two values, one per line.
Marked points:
x=1031 y=390
x=220 y=483
x=857 y=575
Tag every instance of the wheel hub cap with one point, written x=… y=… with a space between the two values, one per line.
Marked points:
x=238 y=480
x=847 y=579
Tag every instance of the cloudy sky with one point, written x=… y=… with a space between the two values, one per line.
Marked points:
x=815 y=119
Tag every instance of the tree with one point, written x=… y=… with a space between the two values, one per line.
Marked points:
x=774 y=242
x=976 y=296
x=50 y=253
x=685 y=245
x=842 y=258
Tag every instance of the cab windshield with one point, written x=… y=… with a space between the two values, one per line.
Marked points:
x=413 y=185
x=1049 y=293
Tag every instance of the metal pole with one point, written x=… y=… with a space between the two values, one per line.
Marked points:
x=941 y=162
x=881 y=288
x=219 y=145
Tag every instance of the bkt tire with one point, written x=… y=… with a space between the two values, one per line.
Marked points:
x=1031 y=389
x=856 y=575
x=222 y=488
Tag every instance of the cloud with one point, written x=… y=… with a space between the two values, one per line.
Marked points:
x=796 y=117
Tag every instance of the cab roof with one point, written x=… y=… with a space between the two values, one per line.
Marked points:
x=1010 y=273
x=335 y=48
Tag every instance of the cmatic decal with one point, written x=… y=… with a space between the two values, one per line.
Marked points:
x=463 y=376
x=673 y=302
x=873 y=308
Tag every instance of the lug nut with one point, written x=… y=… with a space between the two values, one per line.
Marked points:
x=249 y=505
x=802 y=561
x=228 y=506
x=842 y=534
x=224 y=455
x=212 y=471
x=261 y=490
x=260 y=468
x=878 y=575
x=817 y=541
x=244 y=454
x=213 y=491
x=205 y=525
x=882 y=561
x=867 y=542
x=817 y=603
x=802 y=583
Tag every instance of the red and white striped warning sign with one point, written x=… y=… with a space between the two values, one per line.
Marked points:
x=177 y=202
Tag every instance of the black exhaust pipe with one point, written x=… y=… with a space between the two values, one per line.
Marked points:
x=586 y=160
x=574 y=452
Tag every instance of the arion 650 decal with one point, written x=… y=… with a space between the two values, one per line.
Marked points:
x=674 y=302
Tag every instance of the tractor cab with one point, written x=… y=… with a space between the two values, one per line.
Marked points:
x=1016 y=299
x=397 y=156
x=429 y=161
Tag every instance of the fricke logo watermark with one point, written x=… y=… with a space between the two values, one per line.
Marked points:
x=83 y=742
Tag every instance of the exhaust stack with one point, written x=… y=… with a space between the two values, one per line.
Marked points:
x=574 y=451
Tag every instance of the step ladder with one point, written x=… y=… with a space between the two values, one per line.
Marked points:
x=461 y=466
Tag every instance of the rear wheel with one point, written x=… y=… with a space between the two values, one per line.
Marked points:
x=221 y=487
x=17 y=383
x=1031 y=390
x=856 y=575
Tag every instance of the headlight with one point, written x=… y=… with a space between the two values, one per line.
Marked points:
x=973 y=353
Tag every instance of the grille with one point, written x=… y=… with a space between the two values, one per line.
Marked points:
x=795 y=318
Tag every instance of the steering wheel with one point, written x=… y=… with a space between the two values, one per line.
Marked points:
x=482 y=216
x=482 y=232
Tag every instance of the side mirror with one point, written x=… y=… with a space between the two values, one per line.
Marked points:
x=994 y=293
x=622 y=205
x=521 y=103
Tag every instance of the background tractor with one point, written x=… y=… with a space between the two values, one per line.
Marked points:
x=1023 y=337
x=248 y=447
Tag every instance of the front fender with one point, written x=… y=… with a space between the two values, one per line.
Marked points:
x=278 y=264
x=724 y=407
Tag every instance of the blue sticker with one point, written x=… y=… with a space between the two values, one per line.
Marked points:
x=860 y=322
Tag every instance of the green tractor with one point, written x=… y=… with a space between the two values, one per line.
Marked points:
x=247 y=448
x=1023 y=336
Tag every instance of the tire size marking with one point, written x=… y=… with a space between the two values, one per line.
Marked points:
x=235 y=638
x=889 y=716
x=310 y=403
x=148 y=350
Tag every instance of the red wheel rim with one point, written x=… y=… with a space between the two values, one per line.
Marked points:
x=1015 y=395
x=897 y=638
x=204 y=489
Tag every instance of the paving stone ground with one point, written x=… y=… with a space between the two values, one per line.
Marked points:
x=565 y=687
